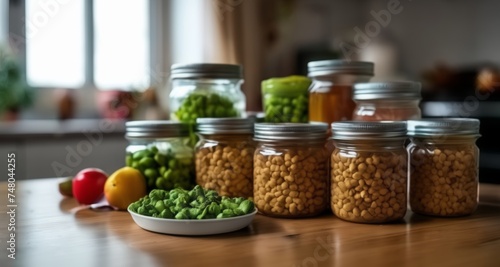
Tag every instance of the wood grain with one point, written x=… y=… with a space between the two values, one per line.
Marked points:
x=49 y=233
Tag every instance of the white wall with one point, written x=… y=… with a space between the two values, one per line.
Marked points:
x=424 y=33
x=457 y=32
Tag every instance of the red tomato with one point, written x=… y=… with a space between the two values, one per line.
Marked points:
x=88 y=185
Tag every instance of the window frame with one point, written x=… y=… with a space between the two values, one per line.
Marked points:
x=17 y=40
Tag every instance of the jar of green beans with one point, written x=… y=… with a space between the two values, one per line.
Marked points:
x=160 y=151
x=206 y=91
x=286 y=99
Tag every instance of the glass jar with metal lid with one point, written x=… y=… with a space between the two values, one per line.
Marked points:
x=387 y=101
x=290 y=169
x=369 y=171
x=330 y=94
x=224 y=155
x=285 y=99
x=444 y=162
x=206 y=90
x=158 y=150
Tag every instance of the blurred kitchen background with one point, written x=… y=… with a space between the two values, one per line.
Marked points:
x=71 y=71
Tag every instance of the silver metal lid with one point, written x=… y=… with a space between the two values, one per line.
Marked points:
x=206 y=70
x=225 y=125
x=155 y=129
x=403 y=90
x=315 y=131
x=440 y=127
x=361 y=130
x=328 y=67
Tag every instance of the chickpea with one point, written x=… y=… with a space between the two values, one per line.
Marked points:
x=226 y=168
x=443 y=182
x=368 y=187
x=291 y=183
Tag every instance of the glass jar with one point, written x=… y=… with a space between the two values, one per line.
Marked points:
x=444 y=162
x=224 y=156
x=387 y=101
x=206 y=90
x=158 y=150
x=330 y=94
x=369 y=171
x=286 y=99
x=290 y=169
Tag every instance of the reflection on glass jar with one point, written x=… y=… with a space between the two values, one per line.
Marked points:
x=444 y=162
x=387 y=101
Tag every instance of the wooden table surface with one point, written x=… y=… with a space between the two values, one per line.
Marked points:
x=49 y=233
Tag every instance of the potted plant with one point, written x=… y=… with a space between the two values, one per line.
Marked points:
x=14 y=93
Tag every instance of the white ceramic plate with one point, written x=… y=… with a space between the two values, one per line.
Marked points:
x=193 y=227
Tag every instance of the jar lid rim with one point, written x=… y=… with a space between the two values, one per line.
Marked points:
x=206 y=70
x=267 y=131
x=362 y=130
x=443 y=126
x=155 y=129
x=225 y=125
x=403 y=90
x=336 y=66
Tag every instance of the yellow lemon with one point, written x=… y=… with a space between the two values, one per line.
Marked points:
x=124 y=186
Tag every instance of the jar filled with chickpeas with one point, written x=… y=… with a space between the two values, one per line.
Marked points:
x=290 y=169
x=387 y=101
x=369 y=171
x=159 y=150
x=444 y=162
x=224 y=155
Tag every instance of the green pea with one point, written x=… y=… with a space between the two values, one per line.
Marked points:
x=128 y=160
x=151 y=173
x=160 y=159
x=147 y=162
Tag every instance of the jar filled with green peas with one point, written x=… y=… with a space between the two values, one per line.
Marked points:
x=285 y=99
x=206 y=90
x=159 y=150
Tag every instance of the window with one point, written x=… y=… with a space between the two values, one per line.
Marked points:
x=79 y=43
x=3 y=21
x=121 y=44
x=55 y=45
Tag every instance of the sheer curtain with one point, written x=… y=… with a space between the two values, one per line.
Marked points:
x=221 y=31
x=236 y=36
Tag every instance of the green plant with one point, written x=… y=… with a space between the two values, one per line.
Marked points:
x=14 y=93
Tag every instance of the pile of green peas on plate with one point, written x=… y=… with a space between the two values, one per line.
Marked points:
x=197 y=204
